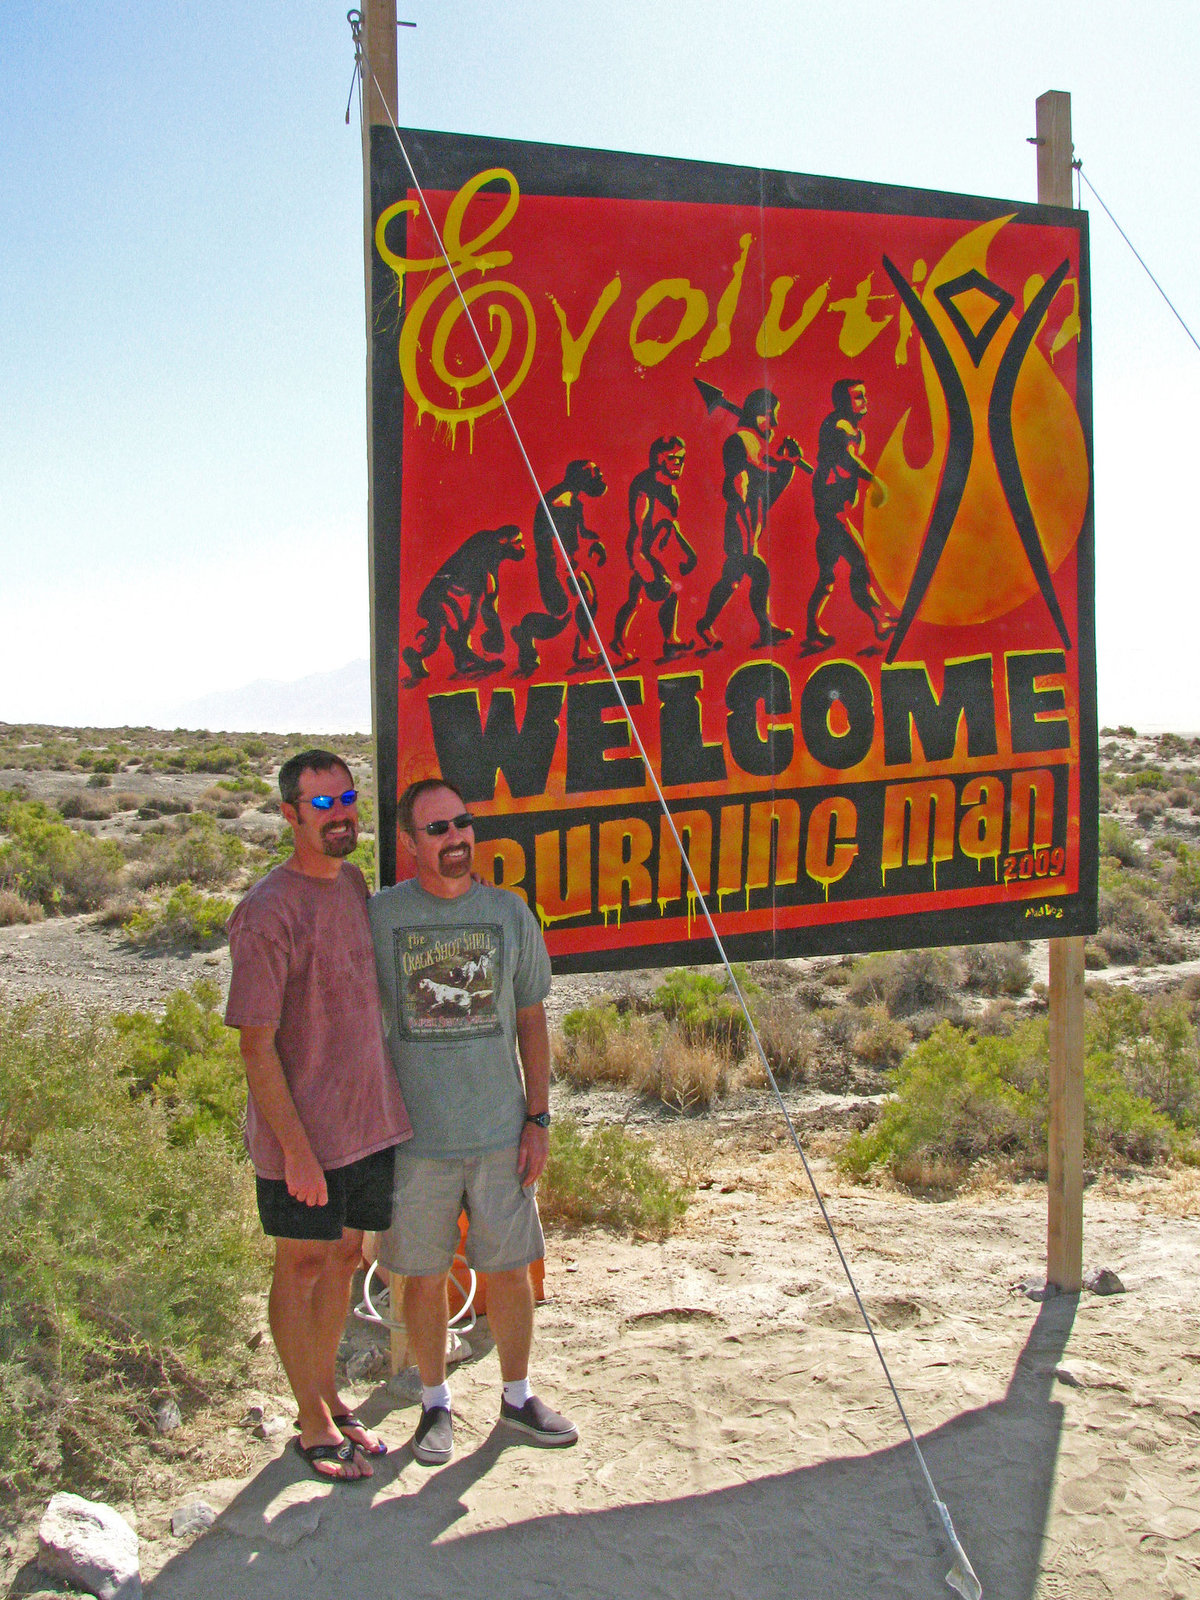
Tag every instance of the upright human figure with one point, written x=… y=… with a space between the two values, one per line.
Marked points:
x=582 y=480
x=463 y=974
x=324 y=1112
x=839 y=472
x=755 y=477
x=659 y=555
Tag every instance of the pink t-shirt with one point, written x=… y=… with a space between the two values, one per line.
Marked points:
x=303 y=963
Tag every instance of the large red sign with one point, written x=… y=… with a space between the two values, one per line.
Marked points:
x=819 y=456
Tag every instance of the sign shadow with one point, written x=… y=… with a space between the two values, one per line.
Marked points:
x=844 y=1529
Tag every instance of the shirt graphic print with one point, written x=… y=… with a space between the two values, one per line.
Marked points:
x=446 y=980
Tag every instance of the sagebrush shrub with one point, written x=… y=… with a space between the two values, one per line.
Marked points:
x=1118 y=842
x=607 y=1176
x=188 y=1062
x=994 y=969
x=125 y=1256
x=650 y=1057
x=790 y=1036
x=959 y=1098
x=14 y=909
x=44 y=861
x=199 y=853
x=706 y=1007
x=906 y=981
x=186 y=918
x=880 y=1040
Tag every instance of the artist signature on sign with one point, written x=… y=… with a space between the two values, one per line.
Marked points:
x=1044 y=910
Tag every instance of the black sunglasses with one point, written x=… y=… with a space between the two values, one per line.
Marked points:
x=435 y=830
x=324 y=802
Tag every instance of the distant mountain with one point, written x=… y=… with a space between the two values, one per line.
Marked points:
x=324 y=702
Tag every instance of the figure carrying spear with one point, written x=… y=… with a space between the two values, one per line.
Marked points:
x=755 y=477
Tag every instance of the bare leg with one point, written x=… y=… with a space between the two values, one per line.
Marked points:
x=625 y=615
x=310 y=1296
x=427 y=1316
x=510 y=1317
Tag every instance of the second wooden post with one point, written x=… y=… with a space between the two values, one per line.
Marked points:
x=1064 y=1171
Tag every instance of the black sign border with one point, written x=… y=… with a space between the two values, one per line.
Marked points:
x=445 y=161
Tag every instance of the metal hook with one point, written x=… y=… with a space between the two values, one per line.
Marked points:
x=354 y=18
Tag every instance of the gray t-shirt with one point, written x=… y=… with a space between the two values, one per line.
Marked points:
x=452 y=976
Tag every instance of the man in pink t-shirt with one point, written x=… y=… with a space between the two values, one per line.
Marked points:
x=324 y=1112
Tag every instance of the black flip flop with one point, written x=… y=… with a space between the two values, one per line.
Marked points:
x=347 y=1419
x=342 y=1453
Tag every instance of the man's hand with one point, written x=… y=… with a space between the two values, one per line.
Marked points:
x=533 y=1041
x=264 y=1074
x=533 y=1153
x=305 y=1180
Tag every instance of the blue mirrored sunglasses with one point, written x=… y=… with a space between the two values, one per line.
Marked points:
x=435 y=830
x=324 y=802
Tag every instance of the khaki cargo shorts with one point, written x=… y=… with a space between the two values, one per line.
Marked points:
x=505 y=1231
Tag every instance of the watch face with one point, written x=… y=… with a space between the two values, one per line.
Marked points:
x=542 y=1119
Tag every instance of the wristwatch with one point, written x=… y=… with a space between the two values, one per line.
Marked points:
x=542 y=1118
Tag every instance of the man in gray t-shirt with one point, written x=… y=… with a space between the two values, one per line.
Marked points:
x=463 y=972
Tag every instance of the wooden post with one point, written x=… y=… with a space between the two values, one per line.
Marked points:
x=379 y=96
x=1055 y=151
x=379 y=67
x=1064 y=1222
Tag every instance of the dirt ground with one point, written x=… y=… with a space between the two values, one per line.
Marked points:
x=737 y=1436
x=737 y=1433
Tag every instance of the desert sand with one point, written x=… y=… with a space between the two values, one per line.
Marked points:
x=737 y=1434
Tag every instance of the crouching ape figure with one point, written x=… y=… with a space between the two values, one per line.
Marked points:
x=464 y=590
x=474 y=1067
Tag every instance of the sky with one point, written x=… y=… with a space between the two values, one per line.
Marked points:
x=182 y=352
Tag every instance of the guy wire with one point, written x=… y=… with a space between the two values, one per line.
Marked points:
x=957 y=1578
x=1179 y=319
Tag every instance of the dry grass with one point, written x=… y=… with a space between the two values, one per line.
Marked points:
x=790 y=1036
x=13 y=909
x=650 y=1058
x=930 y=1175
x=689 y=1151
x=599 y=1046
x=1175 y=1194
x=687 y=1077
x=880 y=1040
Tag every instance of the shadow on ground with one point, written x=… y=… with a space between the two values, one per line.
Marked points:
x=851 y=1529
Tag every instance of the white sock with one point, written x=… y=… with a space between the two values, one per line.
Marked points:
x=517 y=1392
x=435 y=1394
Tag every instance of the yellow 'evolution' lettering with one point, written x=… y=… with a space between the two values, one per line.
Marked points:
x=668 y=315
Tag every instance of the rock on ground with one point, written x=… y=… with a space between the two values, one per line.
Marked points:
x=193 y=1517
x=90 y=1545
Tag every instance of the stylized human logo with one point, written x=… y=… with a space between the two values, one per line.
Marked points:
x=995 y=510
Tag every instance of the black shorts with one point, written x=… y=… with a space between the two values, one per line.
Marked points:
x=360 y=1197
